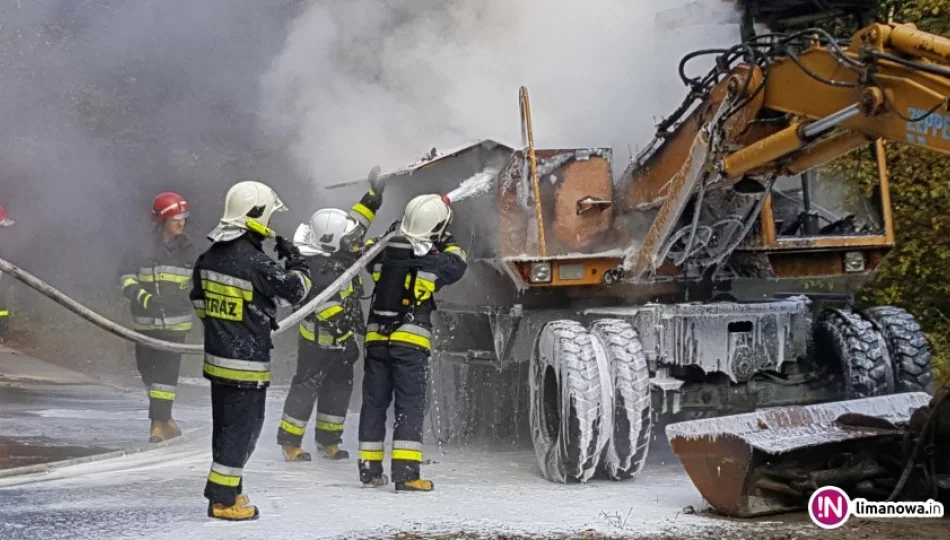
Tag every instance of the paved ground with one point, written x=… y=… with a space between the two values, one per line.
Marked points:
x=157 y=494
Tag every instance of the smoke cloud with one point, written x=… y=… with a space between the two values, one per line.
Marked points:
x=363 y=82
x=106 y=103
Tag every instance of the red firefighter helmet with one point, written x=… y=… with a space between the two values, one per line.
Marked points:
x=5 y=221
x=168 y=205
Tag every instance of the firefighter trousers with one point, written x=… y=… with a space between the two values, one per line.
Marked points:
x=393 y=371
x=159 y=371
x=325 y=377
x=237 y=416
x=4 y=310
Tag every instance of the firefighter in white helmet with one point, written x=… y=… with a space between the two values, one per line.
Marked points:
x=328 y=345
x=421 y=259
x=235 y=287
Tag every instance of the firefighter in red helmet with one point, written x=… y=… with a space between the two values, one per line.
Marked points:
x=156 y=279
x=4 y=285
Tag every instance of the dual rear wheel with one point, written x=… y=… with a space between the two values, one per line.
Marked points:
x=590 y=398
x=590 y=401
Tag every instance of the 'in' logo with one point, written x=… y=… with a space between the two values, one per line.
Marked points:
x=829 y=507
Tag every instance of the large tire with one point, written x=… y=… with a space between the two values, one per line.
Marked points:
x=632 y=401
x=908 y=348
x=567 y=407
x=859 y=349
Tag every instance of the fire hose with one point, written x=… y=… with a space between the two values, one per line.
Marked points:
x=293 y=319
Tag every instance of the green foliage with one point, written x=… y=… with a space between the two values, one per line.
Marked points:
x=916 y=274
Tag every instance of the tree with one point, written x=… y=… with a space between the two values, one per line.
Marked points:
x=916 y=274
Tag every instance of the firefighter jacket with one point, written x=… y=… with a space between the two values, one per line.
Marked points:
x=234 y=291
x=337 y=320
x=156 y=282
x=403 y=301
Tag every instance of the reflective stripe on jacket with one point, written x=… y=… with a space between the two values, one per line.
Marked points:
x=156 y=281
x=234 y=292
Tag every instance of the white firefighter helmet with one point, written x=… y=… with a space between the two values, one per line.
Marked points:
x=425 y=221
x=248 y=205
x=330 y=230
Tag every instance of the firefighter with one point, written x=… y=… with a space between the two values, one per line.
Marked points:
x=4 y=286
x=156 y=282
x=235 y=289
x=421 y=259
x=327 y=346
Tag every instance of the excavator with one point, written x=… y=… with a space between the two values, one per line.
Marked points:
x=679 y=297
x=598 y=310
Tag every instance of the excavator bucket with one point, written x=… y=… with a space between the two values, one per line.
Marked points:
x=770 y=461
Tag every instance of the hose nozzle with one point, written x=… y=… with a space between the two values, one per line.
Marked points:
x=446 y=200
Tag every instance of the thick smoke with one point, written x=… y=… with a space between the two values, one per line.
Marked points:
x=106 y=103
x=370 y=81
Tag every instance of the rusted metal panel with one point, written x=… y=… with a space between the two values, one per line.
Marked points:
x=513 y=211
x=794 y=265
x=582 y=179
x=566 y=176
x=725 y=457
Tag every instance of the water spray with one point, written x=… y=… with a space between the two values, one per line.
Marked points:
x=480 y=183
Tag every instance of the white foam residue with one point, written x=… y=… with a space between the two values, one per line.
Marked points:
x=159 y=496
x=785 y=428
x=97 y=414
x=476 y=185
x=609 y=254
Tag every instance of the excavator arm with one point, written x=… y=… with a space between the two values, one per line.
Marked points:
x=779 y=105
x=799 y=103
x=888 y=84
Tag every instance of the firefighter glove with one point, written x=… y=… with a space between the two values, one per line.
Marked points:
x=375 y=183
x=151 y=303
x=286 y=249
x=298 y=263
x=446 y=240
x=337 y=329
x=394 y=226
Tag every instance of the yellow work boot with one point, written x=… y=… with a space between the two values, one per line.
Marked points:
x=334 y=451
x=415 y=485
x=242 y=500
x=163 y=430
x=295 y=453
x=238 y=512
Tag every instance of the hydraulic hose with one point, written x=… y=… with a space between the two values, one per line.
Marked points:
x=62 y=299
